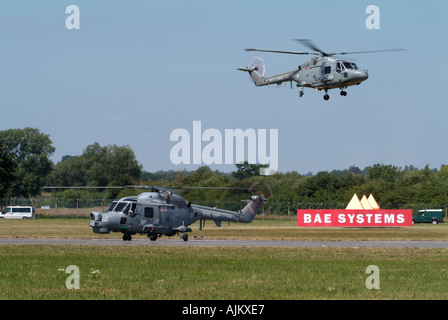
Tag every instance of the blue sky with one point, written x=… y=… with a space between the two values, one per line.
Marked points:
x=137 y=70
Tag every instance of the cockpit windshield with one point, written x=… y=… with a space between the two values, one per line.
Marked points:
x=121 y=206
x=349 y=65
x=118 y=206
x=112 y=206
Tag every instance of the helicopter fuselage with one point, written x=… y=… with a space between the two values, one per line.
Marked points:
x=324 y=73
x=320 y=73
x=150 y=212
x=163 y=213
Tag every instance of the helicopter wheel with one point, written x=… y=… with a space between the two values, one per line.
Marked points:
x=127 y=237
x=326 y=97
x=343 y=93
x=184 y=236
x=301 y=94
x=152 y=237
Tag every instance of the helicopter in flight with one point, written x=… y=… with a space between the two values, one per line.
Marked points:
x=323 y=72
x=162 y=212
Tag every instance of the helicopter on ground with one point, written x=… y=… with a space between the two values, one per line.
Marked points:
x=160 y=211
x=323 y=72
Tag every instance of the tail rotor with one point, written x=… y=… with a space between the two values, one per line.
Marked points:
x=258 y=64
x=256 y=69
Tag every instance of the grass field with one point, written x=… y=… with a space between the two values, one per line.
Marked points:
x=162 y=272
x=140 y=272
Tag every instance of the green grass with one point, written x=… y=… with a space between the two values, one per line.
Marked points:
x=141 y=272
x=164 y=272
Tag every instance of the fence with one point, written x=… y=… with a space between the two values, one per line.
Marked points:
x=81 y=208
x=50 y=207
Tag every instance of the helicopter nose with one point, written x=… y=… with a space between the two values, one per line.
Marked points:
x=95 y=216
x=97 y=223
x=360 y=76
x=365 y=75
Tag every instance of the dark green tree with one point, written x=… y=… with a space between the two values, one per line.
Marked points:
x=110 y=165
x=246 y=170
x=7 y=168
x=386 y=173
x=29 y=150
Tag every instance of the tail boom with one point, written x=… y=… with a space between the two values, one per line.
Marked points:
x=262 y=81
x=255 y=76
x=246 y=215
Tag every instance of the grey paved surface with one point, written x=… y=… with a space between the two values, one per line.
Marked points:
x=229 y=243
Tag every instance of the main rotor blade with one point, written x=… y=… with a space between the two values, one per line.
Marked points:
x=152 y=188
x=217 y=188
x=372 y=51
x=286 y=52
x=308 y=43
x=83 y=187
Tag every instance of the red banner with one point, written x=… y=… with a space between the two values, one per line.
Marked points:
x=354 y=218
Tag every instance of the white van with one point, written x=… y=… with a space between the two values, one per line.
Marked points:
x=18 y=212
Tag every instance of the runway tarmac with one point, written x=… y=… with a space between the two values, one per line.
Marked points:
x=228 y=243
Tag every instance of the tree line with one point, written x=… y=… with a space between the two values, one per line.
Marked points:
x=25 y=167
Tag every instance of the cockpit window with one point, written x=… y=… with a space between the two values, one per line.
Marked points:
x=120 y=207
x=112 y=206
x=350 y=65
x=124 y=207
x=338 y=67
x=347 y=65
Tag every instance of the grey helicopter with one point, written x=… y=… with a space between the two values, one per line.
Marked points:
x=160 y=211
x=323 y=72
